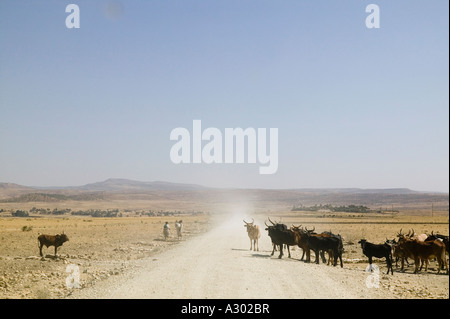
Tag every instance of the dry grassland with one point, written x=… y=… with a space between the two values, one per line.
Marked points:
x=101 y=247
x=105 y=247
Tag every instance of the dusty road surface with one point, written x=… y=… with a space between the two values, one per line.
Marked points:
x=219 y=264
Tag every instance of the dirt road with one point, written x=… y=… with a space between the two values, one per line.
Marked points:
x=219 y=264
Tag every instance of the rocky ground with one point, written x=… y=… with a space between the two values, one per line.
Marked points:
x=98 y=248
x=128 y=256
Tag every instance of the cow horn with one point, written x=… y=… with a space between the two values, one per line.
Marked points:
x=253 y=220
x=245 y=221
x=265 y=223
x=271 y=221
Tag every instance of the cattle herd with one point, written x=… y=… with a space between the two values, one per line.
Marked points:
x=421 y=248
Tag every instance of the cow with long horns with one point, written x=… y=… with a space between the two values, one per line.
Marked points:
x=281 y=235
x=422 y=251
x=303 y=242
x=253 y=233
x=274 y=240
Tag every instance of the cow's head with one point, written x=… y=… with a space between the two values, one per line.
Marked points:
x=62 y=238
x=249 y=225
x=400 y=235
x=362 y=242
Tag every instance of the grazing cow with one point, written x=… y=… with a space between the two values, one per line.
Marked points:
x=423 y=251
x=325 y=242
x=51 y=240
x=254 y=234
x=379 y=251
x=179 y=228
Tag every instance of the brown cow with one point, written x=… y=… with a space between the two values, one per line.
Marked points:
x=302 y=240
x=423 y=251
x=52 y=240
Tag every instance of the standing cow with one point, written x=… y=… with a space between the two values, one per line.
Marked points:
x=253 y=233
x=51 y=240
x=378 y=251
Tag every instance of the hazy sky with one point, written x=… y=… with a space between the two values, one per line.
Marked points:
x=354 y=107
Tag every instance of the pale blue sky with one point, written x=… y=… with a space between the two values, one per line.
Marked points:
x=355 y=107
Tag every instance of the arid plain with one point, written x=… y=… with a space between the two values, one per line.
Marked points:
x=106 y=248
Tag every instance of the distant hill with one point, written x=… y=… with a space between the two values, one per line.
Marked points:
x=126 y=185
x=113 y=188
x=12 y=186
x=183 y=195
x=392 y=191
x=49 y=197
x=10 y=189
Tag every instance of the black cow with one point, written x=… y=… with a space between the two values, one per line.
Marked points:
x=280 y=235
x=319 y=243
x=52 y=240
x=330 y=251
x=378 y=251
